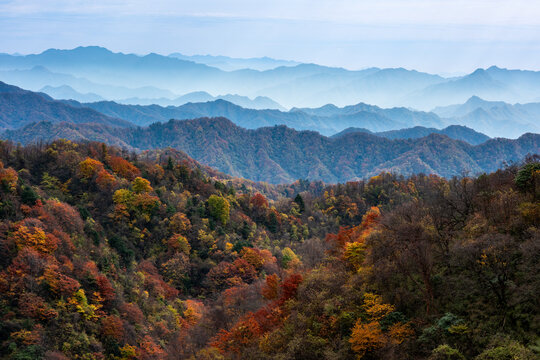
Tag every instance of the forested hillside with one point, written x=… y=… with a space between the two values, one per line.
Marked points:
x=113 y=255
x=456 y=132
x=21 y=107
x=282 y=155
x=327 y=123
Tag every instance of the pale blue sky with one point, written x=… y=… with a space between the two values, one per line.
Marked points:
x=441 y=36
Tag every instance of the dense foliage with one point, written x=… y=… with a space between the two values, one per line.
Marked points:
x=111 y=255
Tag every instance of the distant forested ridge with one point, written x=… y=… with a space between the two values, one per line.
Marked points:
x=280 y=155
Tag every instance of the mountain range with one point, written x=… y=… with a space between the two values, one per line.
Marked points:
x=279 y=154
x=256 y=144
x=63 y=86
x=230 y=64
x=38 y=77
x=257 y=103
x=302 y=85
x=510 y=121
x=371 y=117
x=367 y=116
x=495 y=118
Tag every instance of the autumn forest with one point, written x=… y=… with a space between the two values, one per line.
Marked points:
x=110 y=254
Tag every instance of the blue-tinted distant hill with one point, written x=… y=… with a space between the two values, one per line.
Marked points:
x=327 y=120
x=497 y=121
x=400 y=114
x=19 y=108
x=473 y=103
x=300 y=85
x=494 y=83
x=65 y=86
x=38 y=77
x=229 y=64
x=370 y=117
x=104 y=66
x=303 y=85
x=67 y=92
x=455 y=132
x=495 y=118
x=258 y=103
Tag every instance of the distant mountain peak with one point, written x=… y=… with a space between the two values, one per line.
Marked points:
x=80 y=50
x=92 y=48
x=40 y=68
x=479 y=73
x=328 y=107
x=61 y=87
x=223 y=102
x=475 y=100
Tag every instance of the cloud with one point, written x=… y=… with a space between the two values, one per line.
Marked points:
x=486 y=12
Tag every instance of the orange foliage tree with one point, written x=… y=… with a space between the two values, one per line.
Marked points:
x=270 y=290
x=123 y=167
x=259 y=201
x=33 y=306
x=112 y=327
x=8 y=178
x=59 y=283
x=149 y=350
x=89 y=167
x=179 y=223
x=105 y=180
x=35 y=238
x=193 y=311
x=252 y=326
x=368 y=335
x=243 y=333
x=350 y=243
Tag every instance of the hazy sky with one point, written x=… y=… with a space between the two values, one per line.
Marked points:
x=444 y=36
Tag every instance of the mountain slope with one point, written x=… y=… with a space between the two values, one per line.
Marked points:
x=503 y=121
x=473 y=103
x=20 y=108
x=399 y=114
x=280 y=154
x=478 y=83
x=258 y=103
x=99 y=64
x=37 y=77
x=496 y=118
x=67 y=92
x=455 y=132
x=366 y=116
x=229 y=64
